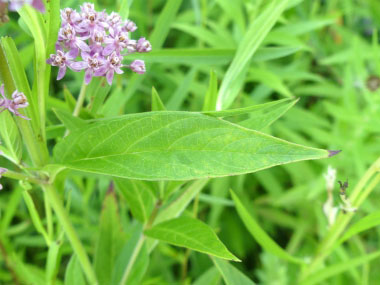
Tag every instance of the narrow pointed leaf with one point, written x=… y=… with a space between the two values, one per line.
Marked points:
x=138 y=196
x=174 y=146
x=157 y=104
x=190 y=233
x=110 y=240
x=251 y=41
x=260 y=235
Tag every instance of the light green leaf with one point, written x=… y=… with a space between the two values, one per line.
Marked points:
x=53 y=262
x=10 y=138
x=231 y=275
x=260 y=235
x=138 y=196
x=304 y=26
x=210 y=56
x=190 y=233
x=110 y=240
x=248 y=46
x=97 y=90
x=71 y=123
x=369 y=221
x=174 y=146
x=339 y=268
x=262 y=118
x=157 y=104
x=74 y=274
x=248 y=110
x=212 y=93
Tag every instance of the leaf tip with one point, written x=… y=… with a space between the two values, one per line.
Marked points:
x=333 y=152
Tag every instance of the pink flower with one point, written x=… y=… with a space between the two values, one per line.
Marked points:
x=15 y=5
x=63 y=60
x=18 y=101
x=143 y=45
x=93 y=65
x=138 y=66
x=100 y=39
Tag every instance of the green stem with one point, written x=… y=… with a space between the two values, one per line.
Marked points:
x=80 y=100
x=49 y=217
x=132 y=261
x=140 y=243
x=75 y=242
x=23 y=177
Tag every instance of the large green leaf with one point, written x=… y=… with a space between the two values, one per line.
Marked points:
x=260 y=235
x=174 y=146
x=230 y=274
x=190 y=233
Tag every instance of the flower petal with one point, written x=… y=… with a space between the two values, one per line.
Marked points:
x=61 y=72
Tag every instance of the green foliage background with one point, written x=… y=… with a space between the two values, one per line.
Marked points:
x=326 y=53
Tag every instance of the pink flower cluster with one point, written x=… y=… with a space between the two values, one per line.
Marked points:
x=100 y=40
x=14 y=5
x=18 y=101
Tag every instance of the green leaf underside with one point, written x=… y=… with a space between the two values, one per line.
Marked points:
x=190 y=233
x=174 y=146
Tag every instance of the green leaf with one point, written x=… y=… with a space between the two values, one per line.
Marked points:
x=97 y=90
x=174 y=146
x=138 y=196
x=157 y=104
x=71 y=123
x=179 y=95
x=212 y=93
x=53 y=262
x=260 y=235
x=370 y=221
x=210 y=277
x=339 y=268
x=74 y=274
x=110 y=241
x=255 y=35
x=231 y=275
x=247 y=110
x=264 y=117
x=190 y=233
x=210 y=56
x=10 y=137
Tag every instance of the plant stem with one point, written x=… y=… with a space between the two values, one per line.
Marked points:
x=132 y=261
x=80 y=100
x=64 y=220
x=357 y=197
x=140 y=243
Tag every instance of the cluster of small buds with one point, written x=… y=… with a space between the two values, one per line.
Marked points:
x=100 y=40
x=2 y=171
x=18 y=101
x=15 y=5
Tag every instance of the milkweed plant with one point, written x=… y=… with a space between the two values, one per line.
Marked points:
x=108 y=190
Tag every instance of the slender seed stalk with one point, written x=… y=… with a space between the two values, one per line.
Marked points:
x=357 y=197
x=64 y=220
x=80 y=100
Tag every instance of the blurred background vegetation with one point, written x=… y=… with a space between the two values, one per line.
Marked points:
x=328 y=56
